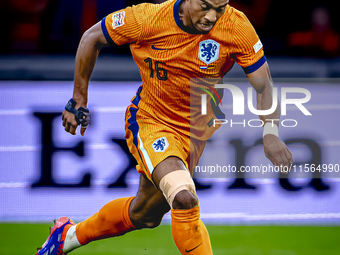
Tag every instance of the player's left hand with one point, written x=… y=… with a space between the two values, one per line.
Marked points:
x=277 y=152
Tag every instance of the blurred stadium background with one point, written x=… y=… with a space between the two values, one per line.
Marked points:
x=46 y=173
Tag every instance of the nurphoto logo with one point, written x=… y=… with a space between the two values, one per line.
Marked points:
x=239 y=102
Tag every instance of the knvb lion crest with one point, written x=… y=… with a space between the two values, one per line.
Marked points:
x=208 y=51
x=160 y=145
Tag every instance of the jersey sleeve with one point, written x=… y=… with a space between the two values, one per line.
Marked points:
x=123 y=26
x=248 y=49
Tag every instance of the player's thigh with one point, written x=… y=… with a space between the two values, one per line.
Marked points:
x=149 y=206
x=167 y=166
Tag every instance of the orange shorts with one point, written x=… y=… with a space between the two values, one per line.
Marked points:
x=151 y=142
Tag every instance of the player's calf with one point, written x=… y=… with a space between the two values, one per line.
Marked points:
x=140 y=221
x=188 y=231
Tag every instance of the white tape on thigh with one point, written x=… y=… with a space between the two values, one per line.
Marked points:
x=175 y=182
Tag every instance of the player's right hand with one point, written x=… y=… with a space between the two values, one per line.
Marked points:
x=72 y=117
x=70 y=123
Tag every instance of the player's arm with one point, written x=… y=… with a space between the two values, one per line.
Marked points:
x=89 y=47
x=275 y=149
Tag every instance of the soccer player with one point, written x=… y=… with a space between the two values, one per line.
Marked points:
x=171 y=43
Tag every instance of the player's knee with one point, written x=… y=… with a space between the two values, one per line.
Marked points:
x=140 y=221
x=179 y=190
x=153 y=223
x=184 y=200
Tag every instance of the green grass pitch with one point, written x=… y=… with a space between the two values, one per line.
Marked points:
x=22 y=239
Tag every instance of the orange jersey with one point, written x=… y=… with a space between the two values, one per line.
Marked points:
x=168 y=57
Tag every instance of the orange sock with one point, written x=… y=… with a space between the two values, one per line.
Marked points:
x=189 y=232
x=112 y=220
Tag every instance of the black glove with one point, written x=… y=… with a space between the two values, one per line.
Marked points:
x=82 y=115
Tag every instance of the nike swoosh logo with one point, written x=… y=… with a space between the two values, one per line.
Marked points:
x=192 y=248
x=155 y=48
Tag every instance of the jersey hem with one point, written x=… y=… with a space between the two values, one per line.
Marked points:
x=106 y=33
x=254 y=67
